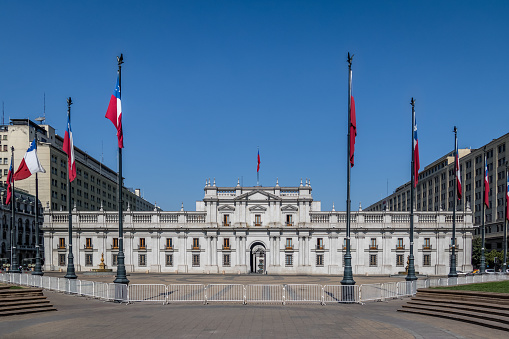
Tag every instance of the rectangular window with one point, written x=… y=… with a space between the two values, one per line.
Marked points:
x=289 y=221
x=400 y=260
x=226 y=243
x=88 y=243
x=319 y=260
x=426 y=260
x=142 y=244
x=88 y=259
x=169 y=259
x=258 y=219
x=226 y=260
x=289 y=260
x=61 y=243
x=400 y=244
x=196 y=243
x=196 y=260
x=226 y=220
x=142 y=259
x=289 y=245
x=115 y=243
x=114 y=259
x=373 y=260
x=372 y=245
x=61 y=260
x=169 y=243
x=319 y=243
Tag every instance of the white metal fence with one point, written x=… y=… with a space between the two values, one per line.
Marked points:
x=237 y=293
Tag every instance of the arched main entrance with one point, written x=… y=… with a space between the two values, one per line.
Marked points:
x=258 y=258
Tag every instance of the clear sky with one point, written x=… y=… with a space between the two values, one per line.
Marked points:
x=206 y=82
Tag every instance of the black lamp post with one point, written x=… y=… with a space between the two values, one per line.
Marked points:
x=411 y=266
x=482 y=268
x=71 y=274
x=37 y=269
x=452 y=271
x=14 y=255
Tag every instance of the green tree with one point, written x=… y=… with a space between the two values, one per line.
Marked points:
x=476 y=252
x=490 y=258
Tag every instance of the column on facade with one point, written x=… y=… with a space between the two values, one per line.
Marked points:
x=237 y=246
x=244 y=250
x=208 y=250
x=278 y=247
x=271 y=249
x=214 y=250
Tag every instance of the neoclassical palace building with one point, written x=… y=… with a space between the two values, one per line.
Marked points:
x=268 y=230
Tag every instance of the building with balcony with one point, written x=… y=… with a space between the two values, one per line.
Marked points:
x=272 y=230
x=435 y=188
x=95 y=186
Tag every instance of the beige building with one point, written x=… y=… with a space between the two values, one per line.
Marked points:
x=435 y=188
x=95 y=185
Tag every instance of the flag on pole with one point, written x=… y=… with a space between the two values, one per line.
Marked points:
x=114 y=113
x=9 y=187
x=69 y=149
x=353 y=130
x=30 y=163
x=486 y=184
x=258 y=167
x=416 y=154
x=457 y=168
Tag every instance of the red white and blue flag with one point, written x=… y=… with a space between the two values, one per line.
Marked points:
x=9 y=187
x=416 y=154
x=458 y=174
x=353 y=130
x=30 y=163
x=258 y=167
x=69 y=149
x=486 y=185
x=114 y=113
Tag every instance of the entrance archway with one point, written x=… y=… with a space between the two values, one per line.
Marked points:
x=258 y=258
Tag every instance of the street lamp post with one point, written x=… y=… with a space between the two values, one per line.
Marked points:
x=71 y=274
x=411 y=266
x=452 y=271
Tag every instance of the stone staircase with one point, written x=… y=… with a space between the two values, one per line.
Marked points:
x=23 y=300
x=480 y=308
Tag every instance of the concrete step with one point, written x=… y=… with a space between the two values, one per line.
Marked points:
x=460 y=307
x=489 y=305
x=27 y=310
x=468 y=319
x=25 y=307
x=22 y=302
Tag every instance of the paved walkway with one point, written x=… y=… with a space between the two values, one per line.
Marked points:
x=80 y=317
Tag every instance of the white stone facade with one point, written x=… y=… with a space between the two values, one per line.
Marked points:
x=272 y=230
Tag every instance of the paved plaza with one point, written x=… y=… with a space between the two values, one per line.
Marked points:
x=81 y=317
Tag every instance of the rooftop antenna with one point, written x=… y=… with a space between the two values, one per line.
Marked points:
x=40 y=120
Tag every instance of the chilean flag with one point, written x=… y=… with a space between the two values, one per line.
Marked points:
x=114 y=113
x=30 y=163
x=9 y=187
x=486 y=185
x=258 y=167
x=416 y=155
x=69 y=149
x=353 y=130
x=457 y=168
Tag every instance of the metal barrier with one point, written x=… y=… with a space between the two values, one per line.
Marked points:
x=185 y=293
x=147 y=292
x=225 y=293
x=291 y=293
x=302 y=293
x=264 y=294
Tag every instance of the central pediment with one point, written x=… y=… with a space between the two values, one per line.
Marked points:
x=258 y=195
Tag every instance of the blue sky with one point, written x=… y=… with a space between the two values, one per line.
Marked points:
x=206 y=82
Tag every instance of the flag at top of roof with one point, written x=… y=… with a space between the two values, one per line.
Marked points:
x=69 y=149
x=9 y=187
x=486 y=184
x=258 y=167
x=416 y=154
x=114 y=113
x=353 y=130
x=30 y=163
x=458 y=174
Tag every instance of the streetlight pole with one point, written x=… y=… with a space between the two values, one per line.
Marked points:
x=71 y=274
x=411 y=265
x=504 y=259
x=14 y=255
x=452 y=271
x=121 y=277
x=482 y=268
x=37 y=268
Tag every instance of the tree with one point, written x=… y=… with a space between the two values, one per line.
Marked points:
x=490 y=258
x=476 y=252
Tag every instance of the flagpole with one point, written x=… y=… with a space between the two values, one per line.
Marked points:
x=71 y=273
x=14 y=261
x=411 y=261
x=452 y=270
x=348 y=274
x=482 y=268
x=37 y=268
x=121 y=277
x=504 y=259
x=258 y=170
